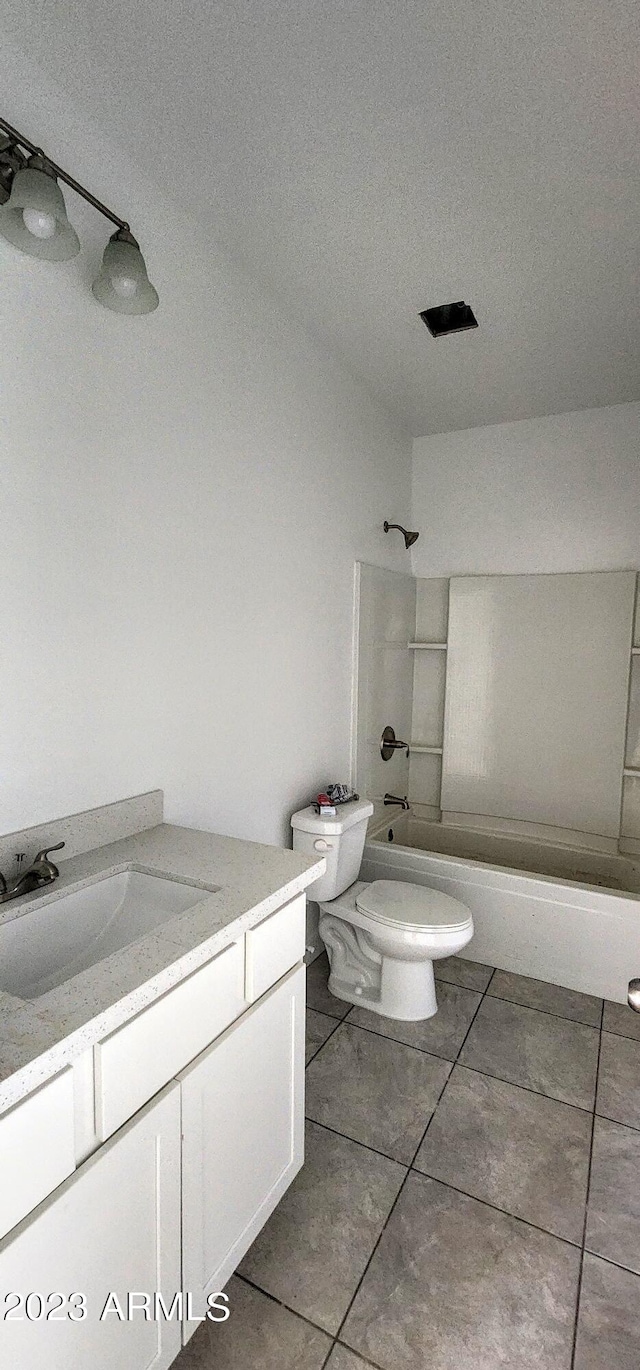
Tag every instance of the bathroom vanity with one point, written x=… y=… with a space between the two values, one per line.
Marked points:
x=151 y=1107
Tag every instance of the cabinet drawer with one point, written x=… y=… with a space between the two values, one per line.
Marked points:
x=37 y=1149
x=274 y=946
x=140 y=1057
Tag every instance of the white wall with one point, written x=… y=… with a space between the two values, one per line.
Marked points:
x=183 y=498
x=554 y=494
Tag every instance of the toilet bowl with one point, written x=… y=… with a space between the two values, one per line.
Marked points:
x=381 y=936
x=382 y=939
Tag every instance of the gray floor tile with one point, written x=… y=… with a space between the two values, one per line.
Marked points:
x=318 y=995
x=566 y=1003
x=343 y=1359
x=457 y=971
x=314 y=1248
x=443 y=1034
x=376 y=1091
x=551 y=1055
x=259 y=1332
x=517 y=1150
x=621 y=1019
x=619 y=1080
x=613 y=1222
x=454 y=1284
x=319 y=1027
x=609 y=1321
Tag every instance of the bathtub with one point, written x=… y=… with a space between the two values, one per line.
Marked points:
x=563 y=914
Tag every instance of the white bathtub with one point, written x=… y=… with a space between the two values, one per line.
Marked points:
x=563 y=914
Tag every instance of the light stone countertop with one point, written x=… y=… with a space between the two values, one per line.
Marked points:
x=38 y=1037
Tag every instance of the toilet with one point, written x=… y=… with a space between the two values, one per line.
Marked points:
x=381 y=936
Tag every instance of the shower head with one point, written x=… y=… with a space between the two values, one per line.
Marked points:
x=409 y=538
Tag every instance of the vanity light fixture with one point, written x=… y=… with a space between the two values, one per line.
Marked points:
x=33 y=216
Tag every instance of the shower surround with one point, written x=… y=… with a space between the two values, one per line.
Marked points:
x=521 y=695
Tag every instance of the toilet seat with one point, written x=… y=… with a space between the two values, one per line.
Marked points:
x=415 y=907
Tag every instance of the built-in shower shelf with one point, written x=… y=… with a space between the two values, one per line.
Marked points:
x=431 y=647
x=423 y=748
x=635 y=651
x=631 y=770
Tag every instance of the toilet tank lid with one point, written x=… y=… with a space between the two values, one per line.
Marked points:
x=307 y=820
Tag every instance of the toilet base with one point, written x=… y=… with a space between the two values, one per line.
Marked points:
x=360 y=975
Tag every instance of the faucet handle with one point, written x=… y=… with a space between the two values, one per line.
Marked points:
x=43 y=868
x=42 y=855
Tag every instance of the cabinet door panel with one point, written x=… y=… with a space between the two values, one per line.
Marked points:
x=243 y=1135
x=37 y=1150
x=113 y=1227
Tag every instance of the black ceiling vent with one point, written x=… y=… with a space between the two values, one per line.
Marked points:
x=449 y=318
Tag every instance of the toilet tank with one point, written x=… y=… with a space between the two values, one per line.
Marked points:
x=340 y=840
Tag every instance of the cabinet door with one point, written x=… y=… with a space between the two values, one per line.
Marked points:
x=243 y=1136
x=113 y=1227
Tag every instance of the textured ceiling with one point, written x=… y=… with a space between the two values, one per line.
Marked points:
x=367 y=159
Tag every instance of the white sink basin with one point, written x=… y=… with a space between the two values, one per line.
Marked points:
x=41 y=949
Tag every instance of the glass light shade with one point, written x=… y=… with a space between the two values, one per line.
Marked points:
x=123 y=284
x=34 y=217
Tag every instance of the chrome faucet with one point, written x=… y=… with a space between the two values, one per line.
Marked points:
x=41 y=872
x=393 y=799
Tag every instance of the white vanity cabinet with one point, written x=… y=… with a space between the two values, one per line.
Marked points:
x=170 y=1203
x=114 y=1227
x=243 y=1136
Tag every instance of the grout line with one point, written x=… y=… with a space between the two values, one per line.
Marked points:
x=549 y=1013
x=335 y=1027
x=335 y=1017
x=486 y=1203
x=515 y=1084
x=473 y=1019
x=282 y=1304
x=605 y=1116
x=384 y=1036
x=404 y=1165
x=375 y=1365
x=409 y=1172
x=623 y=1036
x=586 y=1201
x=252 y=1285
x=303 y=1318
x=617 y=1265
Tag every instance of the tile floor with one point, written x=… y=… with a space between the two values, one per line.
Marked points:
x=471 y=1193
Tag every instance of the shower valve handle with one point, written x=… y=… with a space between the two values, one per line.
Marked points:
x=389 y=744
